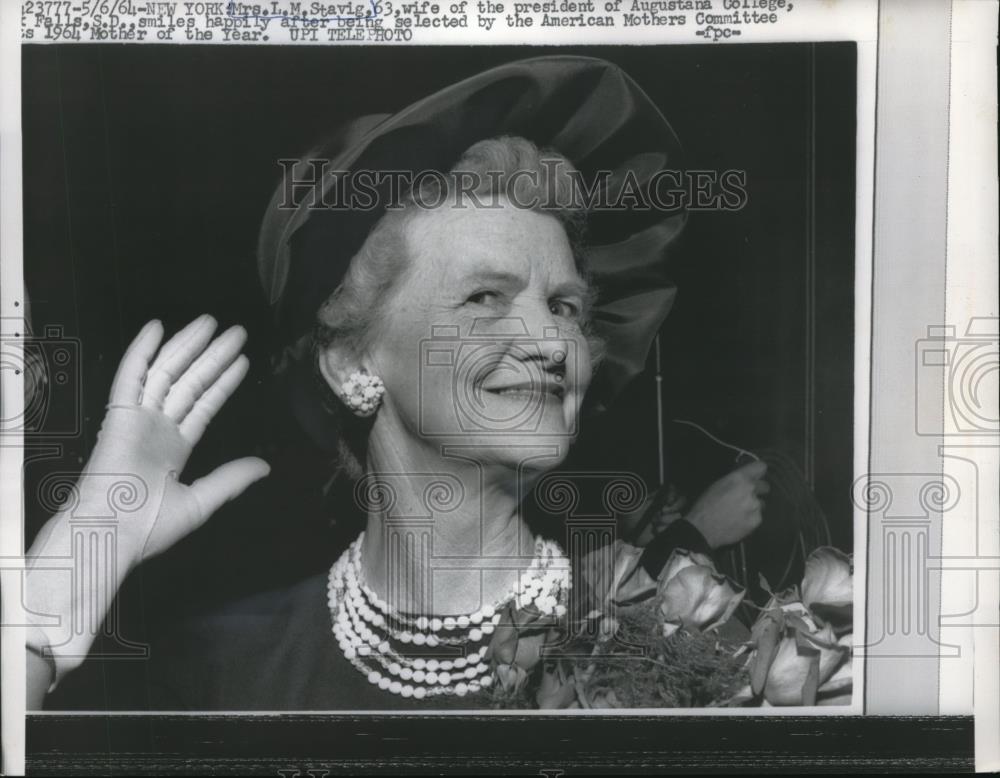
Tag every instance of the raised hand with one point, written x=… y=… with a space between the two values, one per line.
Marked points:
x=159 y=410
x=162 y=399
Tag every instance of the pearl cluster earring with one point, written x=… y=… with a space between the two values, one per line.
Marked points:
x=362 y=393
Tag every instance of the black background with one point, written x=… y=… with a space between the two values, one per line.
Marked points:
x=147 y=170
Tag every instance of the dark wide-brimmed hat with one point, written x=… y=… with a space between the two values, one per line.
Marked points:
x=586 y=109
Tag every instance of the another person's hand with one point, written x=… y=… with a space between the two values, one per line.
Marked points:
x=730 y=509
x=670 y=511
x=162 y=399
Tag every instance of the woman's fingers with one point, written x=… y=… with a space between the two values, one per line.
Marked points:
x=203 y=411
x=174 y=358
x=126 y=389
x=225 y=483
x=203 y=373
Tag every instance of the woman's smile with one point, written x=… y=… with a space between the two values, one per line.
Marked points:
x=529 y=391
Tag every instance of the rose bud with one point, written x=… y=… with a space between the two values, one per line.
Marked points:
x=556 y=689
x=802 y=664
x=679 y=560
x=828 y=585
x=842 y=680
x=838 y=687
x=511 y=677
x=696 y=597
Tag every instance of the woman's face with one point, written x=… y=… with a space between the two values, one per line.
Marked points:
x=482 y=345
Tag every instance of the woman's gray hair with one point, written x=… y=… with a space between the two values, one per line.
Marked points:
x=510 y=167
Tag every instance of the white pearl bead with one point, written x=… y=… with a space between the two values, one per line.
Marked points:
x=349 y=652
x=476 y=635
x=394 y=668
x=419 y=663
x=383 y=647
x=419 y=639
x=488 y=628
x=477 y=617
x=463 y=622
x=470 y=673
x=407 y=691
x=432 y=641
x=449 y=623
x=436 y=624
x=383 y=683
x=447 y=664
x=422 y=623
x=419 y=676
x=488 y=612
x=432 y=678
x=433 y=664
x=395 y=687
x=364 y=650
x=419 y=693
x=444 y=678
x=486 y=681
x=405 y=637
x=461 y=689
x=406 y=673
x=373 y=677
x=560 y=610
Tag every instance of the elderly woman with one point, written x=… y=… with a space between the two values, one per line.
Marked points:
x=443 y=345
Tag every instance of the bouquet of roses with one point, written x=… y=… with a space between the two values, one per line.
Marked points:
x=676 y=641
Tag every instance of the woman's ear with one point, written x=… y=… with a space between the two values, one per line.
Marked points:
x=336 y=367
x=360 y=391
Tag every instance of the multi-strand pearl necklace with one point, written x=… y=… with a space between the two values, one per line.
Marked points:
x=371 y=633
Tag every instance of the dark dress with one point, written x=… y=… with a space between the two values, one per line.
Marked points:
x=274 y=651
x=271 y=652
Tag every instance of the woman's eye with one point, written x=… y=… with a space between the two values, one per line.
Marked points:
x=482 y=298
x=564 y=308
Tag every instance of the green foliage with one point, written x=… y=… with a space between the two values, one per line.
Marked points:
x=685 y=670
